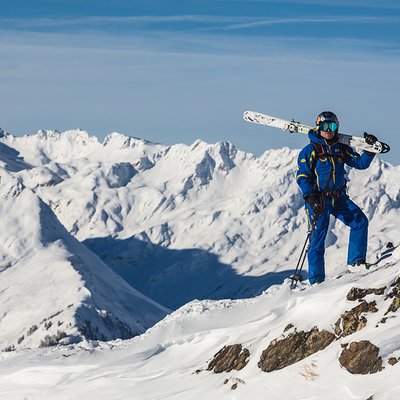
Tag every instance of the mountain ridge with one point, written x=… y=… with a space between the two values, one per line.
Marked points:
x=179 y=222
x=53 y=289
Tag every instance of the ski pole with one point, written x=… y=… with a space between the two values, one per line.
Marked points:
x=297 y=273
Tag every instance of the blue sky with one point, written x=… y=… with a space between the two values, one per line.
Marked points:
x=174 y=71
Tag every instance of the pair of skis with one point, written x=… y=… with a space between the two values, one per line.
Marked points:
x=296 y=127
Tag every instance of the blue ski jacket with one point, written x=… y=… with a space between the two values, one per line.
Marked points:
x=326 y=171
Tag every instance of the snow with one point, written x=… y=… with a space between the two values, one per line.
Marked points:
x=123 y=232
x=162 y=363
x=51 y=284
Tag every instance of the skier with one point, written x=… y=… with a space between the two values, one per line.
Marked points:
x=321 y=177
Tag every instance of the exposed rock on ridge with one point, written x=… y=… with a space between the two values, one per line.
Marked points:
x=297 y=346
x=361 y=358
x=233 y=357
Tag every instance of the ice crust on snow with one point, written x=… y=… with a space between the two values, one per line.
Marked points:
x=104 y=238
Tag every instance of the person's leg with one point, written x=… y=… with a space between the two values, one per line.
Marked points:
x=316 y=251
x=352 y=216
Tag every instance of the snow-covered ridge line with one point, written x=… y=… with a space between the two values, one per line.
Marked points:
x=180 y=222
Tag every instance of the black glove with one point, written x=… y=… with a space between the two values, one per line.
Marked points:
x=370 y=139
x=316 y=202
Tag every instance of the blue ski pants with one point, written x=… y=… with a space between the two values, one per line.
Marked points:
x=351 y=215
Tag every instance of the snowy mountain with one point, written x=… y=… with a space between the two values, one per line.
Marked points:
x=179 y=223
x=52 y=288
x=205 y=221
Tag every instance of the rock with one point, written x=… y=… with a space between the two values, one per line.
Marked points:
x=395 y=295
x=394 y=306
x=353 y=320
x=288 y=327
x=235 y=382
x=229 y=358
x=361 y=358
x=393 y=360
x=358 y=293
x=297 y=346
x=395 y=291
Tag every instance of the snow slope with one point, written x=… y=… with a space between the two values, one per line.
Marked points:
x=52 y=288
x=169 y=361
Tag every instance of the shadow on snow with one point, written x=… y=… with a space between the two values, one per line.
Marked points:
x=175 y=277
x=12 y=160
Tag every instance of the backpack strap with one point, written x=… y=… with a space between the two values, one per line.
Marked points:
x=319 y=150
x=343 y=153
x=320 y=154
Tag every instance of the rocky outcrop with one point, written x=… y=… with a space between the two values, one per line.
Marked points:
x=355 y=319
x=295 y=347
x=358 y=293
x=395 y=295
x=361 y=358
x=394 y=306
x=229 y=358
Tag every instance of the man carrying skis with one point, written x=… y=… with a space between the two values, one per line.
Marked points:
x=321 y=177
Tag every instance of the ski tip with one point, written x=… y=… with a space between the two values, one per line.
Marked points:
x=385 y=148
x=247 y=116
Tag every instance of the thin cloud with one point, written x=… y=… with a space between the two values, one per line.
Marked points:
x=305 y=20
x=215 y=23
x=382 y=4
x=125 y=20
x=209 y=44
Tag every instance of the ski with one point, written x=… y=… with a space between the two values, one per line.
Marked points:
x=296 y=127
x=384 y=259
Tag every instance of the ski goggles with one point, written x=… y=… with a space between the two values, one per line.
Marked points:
x=331 y=126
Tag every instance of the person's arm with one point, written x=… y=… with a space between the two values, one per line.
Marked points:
x=305 y=179
x=363 y=161
x=304 y=175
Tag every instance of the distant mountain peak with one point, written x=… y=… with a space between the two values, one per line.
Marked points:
x=123 y=141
